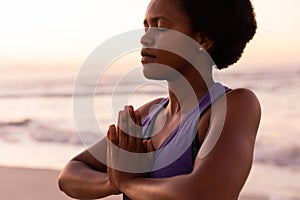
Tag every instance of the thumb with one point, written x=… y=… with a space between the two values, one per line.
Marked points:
x=150 y=146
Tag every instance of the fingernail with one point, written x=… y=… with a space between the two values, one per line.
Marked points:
x=131 y=108
x=112 y=127
x=137 y=112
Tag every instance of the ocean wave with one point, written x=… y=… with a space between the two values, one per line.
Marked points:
x=27 y=130
x=30 y=130
x=22 y=122
x=69 y=92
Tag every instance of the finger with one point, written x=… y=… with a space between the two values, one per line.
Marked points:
x=138 y=127
x=112 y=135
x=118 y=126
x=112 y=139
x=131 y=126
x=145 y=143
x=150 y=146
x=132 y=114
x=123 y=136
x=138 y=122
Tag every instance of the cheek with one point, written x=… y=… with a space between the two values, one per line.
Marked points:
x=175 y=50
x=172 y=60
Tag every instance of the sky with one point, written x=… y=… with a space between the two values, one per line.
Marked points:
x=64 y=32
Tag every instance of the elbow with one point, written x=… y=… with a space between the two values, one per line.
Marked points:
x=65 y=186
x=61 y=182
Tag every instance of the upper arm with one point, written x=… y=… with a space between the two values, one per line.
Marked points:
x=225 y=157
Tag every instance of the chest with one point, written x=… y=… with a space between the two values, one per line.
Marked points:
x=162 y=128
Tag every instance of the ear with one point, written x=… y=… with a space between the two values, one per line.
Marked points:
x=204 y=41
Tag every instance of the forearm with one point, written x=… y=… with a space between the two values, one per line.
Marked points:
x=79 y=181
x=173 y=188
x=177 y=188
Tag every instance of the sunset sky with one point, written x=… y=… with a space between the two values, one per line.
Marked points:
x=64 y=32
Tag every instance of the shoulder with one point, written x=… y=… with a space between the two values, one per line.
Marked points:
x=242 y=115
x=235 y=117
x=144 y=109
x=243 y=94
x=237 y=102
x=243 y=101
x=240 y=109
x=233 y=128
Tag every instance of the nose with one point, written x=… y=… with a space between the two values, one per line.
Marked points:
x=148 y=39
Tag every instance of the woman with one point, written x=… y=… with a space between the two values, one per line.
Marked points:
x=216 y=159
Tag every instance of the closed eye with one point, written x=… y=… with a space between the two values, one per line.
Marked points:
x=161 y=29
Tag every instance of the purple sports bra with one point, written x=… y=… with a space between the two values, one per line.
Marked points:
x=177 y=153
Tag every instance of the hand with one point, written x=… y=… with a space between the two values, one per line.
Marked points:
x=127 y=137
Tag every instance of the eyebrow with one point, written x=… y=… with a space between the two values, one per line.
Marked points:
x=155 y=19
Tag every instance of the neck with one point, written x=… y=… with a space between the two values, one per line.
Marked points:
x=185 y=92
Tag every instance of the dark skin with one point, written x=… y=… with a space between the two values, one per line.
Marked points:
x=220 y=174
x=85 y=177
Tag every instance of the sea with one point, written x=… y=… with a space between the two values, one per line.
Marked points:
x=38 y=128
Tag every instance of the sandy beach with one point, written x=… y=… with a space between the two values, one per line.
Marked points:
x=40 y=184
x=31 y=184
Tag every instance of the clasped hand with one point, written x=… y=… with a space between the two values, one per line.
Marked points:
x=127 y=156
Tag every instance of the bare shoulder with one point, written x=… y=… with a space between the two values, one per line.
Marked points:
x=243 y=100
x=243 y=114
x=144 y=109
x=243 y=94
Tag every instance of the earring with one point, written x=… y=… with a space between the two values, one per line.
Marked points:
x=201 y=49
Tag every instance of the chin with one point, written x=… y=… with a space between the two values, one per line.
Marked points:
x=152 y=75
x=156 y=71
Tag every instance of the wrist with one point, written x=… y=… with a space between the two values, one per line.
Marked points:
x=111 y=190
x=125 y=184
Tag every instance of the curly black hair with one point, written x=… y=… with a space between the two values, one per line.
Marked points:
x=230 y=24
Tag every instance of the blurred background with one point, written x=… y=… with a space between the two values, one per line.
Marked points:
x=43 y=45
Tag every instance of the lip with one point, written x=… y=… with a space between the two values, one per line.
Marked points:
x=147 y=56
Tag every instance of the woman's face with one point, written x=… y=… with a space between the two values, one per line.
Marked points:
x=161 y=16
